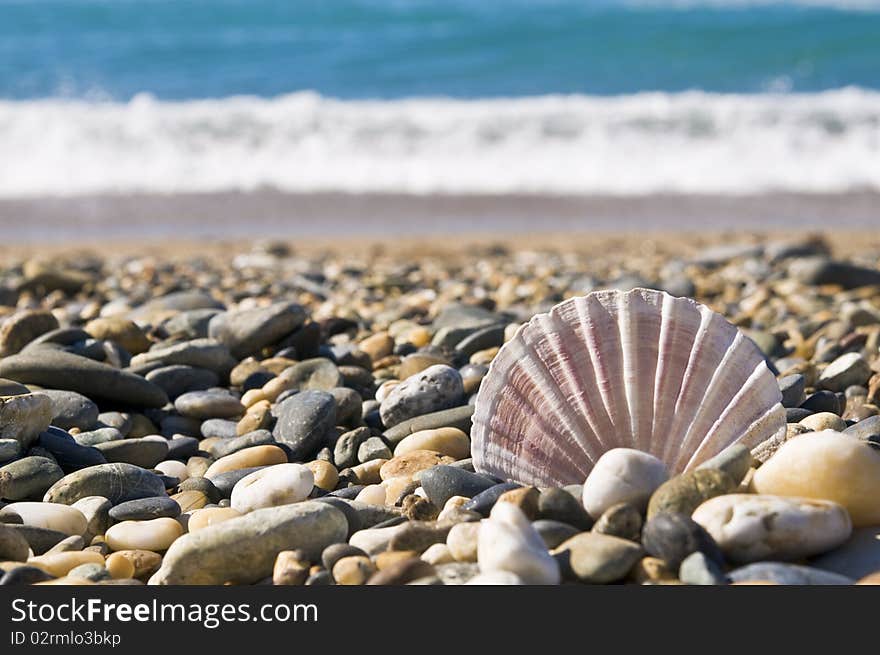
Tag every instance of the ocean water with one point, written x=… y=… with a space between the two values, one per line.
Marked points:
x=439 y=96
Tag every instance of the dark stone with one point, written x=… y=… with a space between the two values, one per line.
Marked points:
x=865 y=429
x=305 y=422
x=145 y=453
x=482 y=339
x=797 y=414
x=28 y=478
x=219 y=427
x=24 y=575
x=335 y=552
x=823 y=401
x=39 y=539
x=442 y=482
x=559 y=505
x=116 y=482
x=13 y=545
x=69 y=454
x=554 y=532
x=204 y=485
x=179 y=379
x=72 y=410
x=792 y=388
x=672 y=537
x=228 y=446
x=820 y=271
x=226 y=481
x=484 y=501
x=787 y=574
x=457 y=417
x=345 y=451
x=144 y=509
x=182 y=448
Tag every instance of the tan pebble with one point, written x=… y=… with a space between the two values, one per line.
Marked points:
x=372 y=494
x=254 y=456
x=451 y=505
x=451 y=442
x=243 y=370
x=418 y=336
x=411 y=462
x=155 y=534
x=391 y=558
x=197 y=466
x=416 y=363
x=190 y=499
x=824 y=421
x=274 y=388
x=203 y=518
x=277 y=365
x=253 y=396
x=208 y=443
x=526 y=498
x=60 y=564
x=368 y=472
x=120 y=567
x=145 y=562
x=651 y=569
x=258 y=417
x=484 y=356
x=123 y=331
x=394 y=488
x=290 y=569
x=326 y=475
x=174 y=469
x=870 y=579
x=438 y=554
x=462 y=541
x=354 y=570
x=377 y=346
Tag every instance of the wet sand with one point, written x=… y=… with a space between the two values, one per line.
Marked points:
x=311 y=217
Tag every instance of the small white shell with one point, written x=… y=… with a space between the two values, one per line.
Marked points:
x=640 y=369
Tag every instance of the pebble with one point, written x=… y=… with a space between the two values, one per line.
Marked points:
x=28 y=478
x=786 y=574
x=123 y=331
x=145 y=562
x=69 y=455
x=845 y=371
x=247 y=331
x=824 y=421
x=441 y=483
x=9 y=449
x=652 y=570
x=224 y=447
x=438 y=554
x=145 y=509
x=436 y=388
x=24 y=575
x=622 y=475
x=559 y=505
x=525 y=498
x=402 y=572
x=508 y=542
x=697 y=569
x=826 y=466
x=213 y=403
x=372 y=494
x=451 y=442
x=457 y=417
x=145 y=452
x=373 y=448
x=119 y=567
x=60 y=564
x=594 y=558
x=281 y=484
x=61 y=370
x=155 y=534
x=13 y=545
x=672 y=537
x=200 y=353
x=244 y=459
x=172 y=468
x=178 y=379
x=290 y=569
x=622 y=520
x=792 y=388
x=751 y=528
x=735 y=460
x=243 y=550
x=306 y=421
x=116 y=482
x=411 y=463
x=96 y=510
x=21 y=328
x=71 y=410
x=90 y=571
x=52 y=516
x=208 y=516
x=325 y=474
x=462 y=541
x=24 y=417
x=374 y=540
x=684 y=493
x=484 y=501
x=353 y=570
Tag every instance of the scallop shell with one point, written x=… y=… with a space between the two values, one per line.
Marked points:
x=640 y=369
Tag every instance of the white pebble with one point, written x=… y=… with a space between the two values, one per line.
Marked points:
x=281 y=484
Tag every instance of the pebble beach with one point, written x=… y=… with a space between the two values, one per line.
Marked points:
x=285 y=413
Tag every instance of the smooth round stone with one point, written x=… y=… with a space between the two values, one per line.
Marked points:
x=190 y=500
x=441 y=483
x=28 y=478
x=437 y=554
x=156 y=534
x=824 y=421
x=205 y=486
x=845 y=371
x=373 y=448
x=594 y=558
x=69 y=454
x=462 y=541
x=822 y=401
x=119 y=420
x=457 y=417
x=94 y=437
x=317 y=374
x=173 y=469
x=697 y=569
x=290 y=569
x=145 y=562
x=9 y=449
x=224 y=447
x=200 y=353
x=326 y=475
x=622 y=475
x=336 y=552
x=72 y=410
x=826 y=466
x=177 y=380
x=145 y=452
x=451 y=442
x=24 y=417
x=248 y=331
x=409 y=464
x=41 y=540
x=145 y=509
x=402 y=572
x=684 y=493
x=272 y=486
x=218 y=427
x=123 y=331
x=52 y=516
x=13 y=546
x=792 y=388
x=247 y=458
x=60 y=564
x=353 y=570
x=558 y=505
x=243 y=550
x=90 y=571
x=866 y=429
x=857 y=557
x=750 y=527
x=484 y=501
x=508 y=542
x=554 y=532
x=372 y=494
x=786 y=574
x=182 y=448
x=377 y=345
x=21 y=328
x=346 y=448
x=208 y=516
x=622 y=520
x=58 y=369
x=214 y=403
x=119 y=567
x=24 y=575
x=417 y=362
x=306 y=421
x=116 y=482
x=436 y=388
x=672 y=537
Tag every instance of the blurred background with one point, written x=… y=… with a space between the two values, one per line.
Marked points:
x=164 y=118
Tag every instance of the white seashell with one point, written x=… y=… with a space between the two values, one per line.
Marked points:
x=640 y=369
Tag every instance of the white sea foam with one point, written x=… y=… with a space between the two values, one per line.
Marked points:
x=690 y=142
